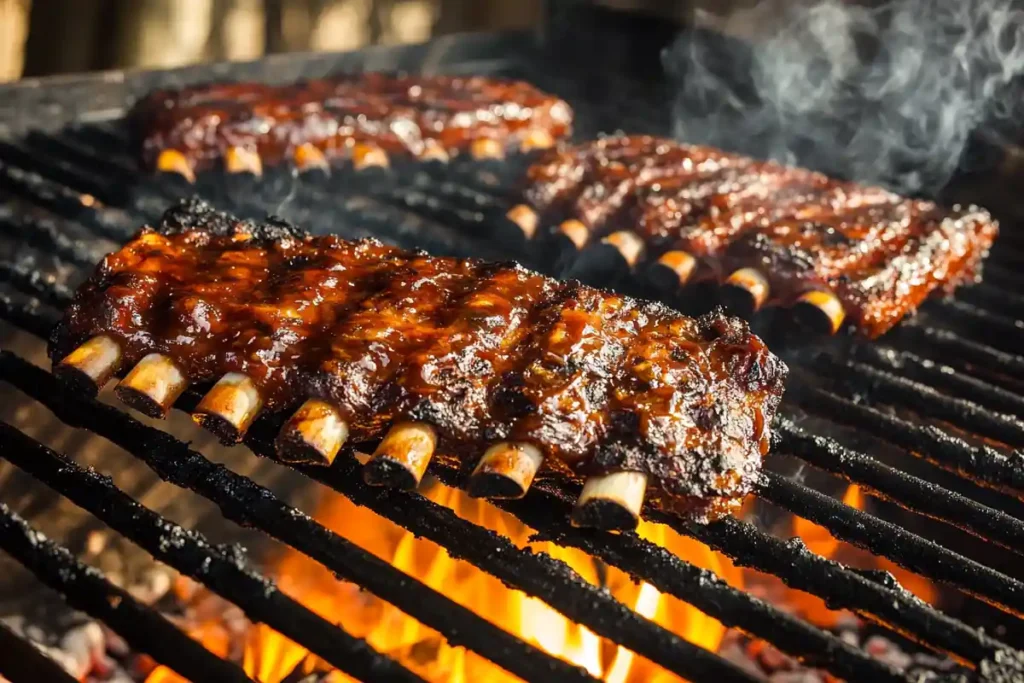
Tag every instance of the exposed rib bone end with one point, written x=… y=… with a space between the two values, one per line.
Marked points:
x=506 y=470
x=313 y=435
x=745 y=291
x=402 y=457
x=671 y=271
x=628 y=244
x=229 y=408
x=243 y=160
x=173 y=161
x=574 y=233
x=819 y=311
x=526 y=218
x=486 y=148
x=369 y=156
x=153 y=385
x=611 y=502
x=536 y=138
x=308 y=157
x=88 y=368
x=434 y=151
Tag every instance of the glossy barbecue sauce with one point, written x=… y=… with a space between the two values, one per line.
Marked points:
x=480 y=351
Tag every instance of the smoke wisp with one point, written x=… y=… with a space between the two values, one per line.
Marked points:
x=886 y=94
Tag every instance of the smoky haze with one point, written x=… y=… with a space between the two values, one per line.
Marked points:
x=886 y=94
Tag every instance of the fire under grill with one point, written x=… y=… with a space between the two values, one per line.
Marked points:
x=930 y=420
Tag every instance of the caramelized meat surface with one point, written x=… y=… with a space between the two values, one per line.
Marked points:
x=880 y=254
x=479 y=351
x=402 y=115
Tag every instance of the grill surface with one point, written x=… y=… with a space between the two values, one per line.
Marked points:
x=928 y=420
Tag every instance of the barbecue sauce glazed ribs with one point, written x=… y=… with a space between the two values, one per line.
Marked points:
x=403 y=115
x=881 y=254
x=480 y=351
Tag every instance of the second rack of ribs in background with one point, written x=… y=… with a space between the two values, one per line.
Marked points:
x=366 y=119
x=487 y=363
x=767 y=233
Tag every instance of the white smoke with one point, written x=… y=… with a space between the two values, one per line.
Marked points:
x=885 y=94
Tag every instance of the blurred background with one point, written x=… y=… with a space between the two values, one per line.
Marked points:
x=43 y=37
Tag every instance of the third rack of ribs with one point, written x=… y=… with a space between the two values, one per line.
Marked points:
x=488 y=363
x=366 y=118
x=767 y=232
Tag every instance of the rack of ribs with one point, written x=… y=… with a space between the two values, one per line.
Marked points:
x=365 y=118
x=835 y=251
x=491 y=365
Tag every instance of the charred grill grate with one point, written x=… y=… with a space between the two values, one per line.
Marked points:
x=70 y=193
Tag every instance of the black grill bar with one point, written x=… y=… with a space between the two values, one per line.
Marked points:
x=109 y=223
x=997 y=330
x=889 y=540
x=243 y=501
x=929 y=340
x=32 y=280
x=998 y=274
x=942 y=377
x=60 y=170
x=887 y=387
x=27 y=312
x=222 y=570
x=993 y=298
x=66 y=239
x=23 y=663
x=840 y=587
x=84 y=588
x=981 y=463
x=905 y=490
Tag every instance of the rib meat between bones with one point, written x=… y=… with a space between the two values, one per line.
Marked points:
x=481 y=353
x=364 y=117
x=786 y=234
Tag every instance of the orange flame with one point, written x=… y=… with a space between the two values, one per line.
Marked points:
x=820 y=541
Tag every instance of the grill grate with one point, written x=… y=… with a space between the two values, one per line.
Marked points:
x=70 y=193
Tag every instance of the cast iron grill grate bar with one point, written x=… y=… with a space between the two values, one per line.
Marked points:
x=905 y=490
x=840 y=587
x=24 y=663
x=928 y=340
x=84 y=588
x=980 y=463
x=889 y=540
x=943 y=377
x=222 y=570
x=886 y=387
